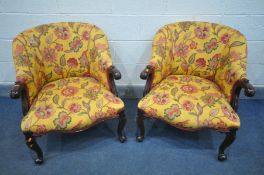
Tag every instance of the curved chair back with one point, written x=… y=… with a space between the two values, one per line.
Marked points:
x=59 y=50
x=208 y=50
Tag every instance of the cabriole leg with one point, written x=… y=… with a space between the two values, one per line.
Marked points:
x=141 y=127
x=32 y=144
x=121 y=125
x=229 y=139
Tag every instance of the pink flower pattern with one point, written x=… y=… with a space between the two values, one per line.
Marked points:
x=161 y=99
x=202 y=32
x=172 y=112
x=112 y=98
x=44 y=112
x=62 y=121
x=72 y=62
x=62 y=32
x=189 y=89
x=187 y=105
x=69 y=91
x=181 y=50
x=49 y=54
x=74 y=107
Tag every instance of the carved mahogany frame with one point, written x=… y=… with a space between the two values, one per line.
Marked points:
x=20 y=91
x=249 y=90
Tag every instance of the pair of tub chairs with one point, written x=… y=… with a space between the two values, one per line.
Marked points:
x=65 y=78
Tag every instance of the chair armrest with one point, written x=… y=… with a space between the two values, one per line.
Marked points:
x=146 y=72
x=19 y=91
x=16 y=90
x=115 y=73
x=249 y=89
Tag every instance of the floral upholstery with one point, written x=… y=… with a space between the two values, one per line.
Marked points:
x=195 y=66
x=65 y=70
x=60 y=50
x=212 y=51
x=189 y=102
x=71 y=104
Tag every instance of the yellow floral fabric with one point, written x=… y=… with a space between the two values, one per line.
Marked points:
x=71 y=104
x=60 y=50
x=189 y=102
x=212 y=51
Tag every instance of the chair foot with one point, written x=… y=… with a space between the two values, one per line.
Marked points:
x=39 y=161
x=120 y=129
x=222 y=157
x=229 y=139
x=141 y=127
x=140 y=138
x=32 y=144
x=122 y=139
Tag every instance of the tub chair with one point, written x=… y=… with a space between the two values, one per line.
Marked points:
x=65 y=78
x=194 y=78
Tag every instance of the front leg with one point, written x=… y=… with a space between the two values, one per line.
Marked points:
x=32 y=144
x=121 y=125
x=141 y=128
x=19 y=91
x=229 y=139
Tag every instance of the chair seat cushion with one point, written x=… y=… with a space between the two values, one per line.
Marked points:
x=190 y=103
x=71 y=104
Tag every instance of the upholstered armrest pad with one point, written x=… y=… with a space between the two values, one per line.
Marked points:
x=115 y=72
x=146 y=72
x=249 y=89
x=15 y=91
